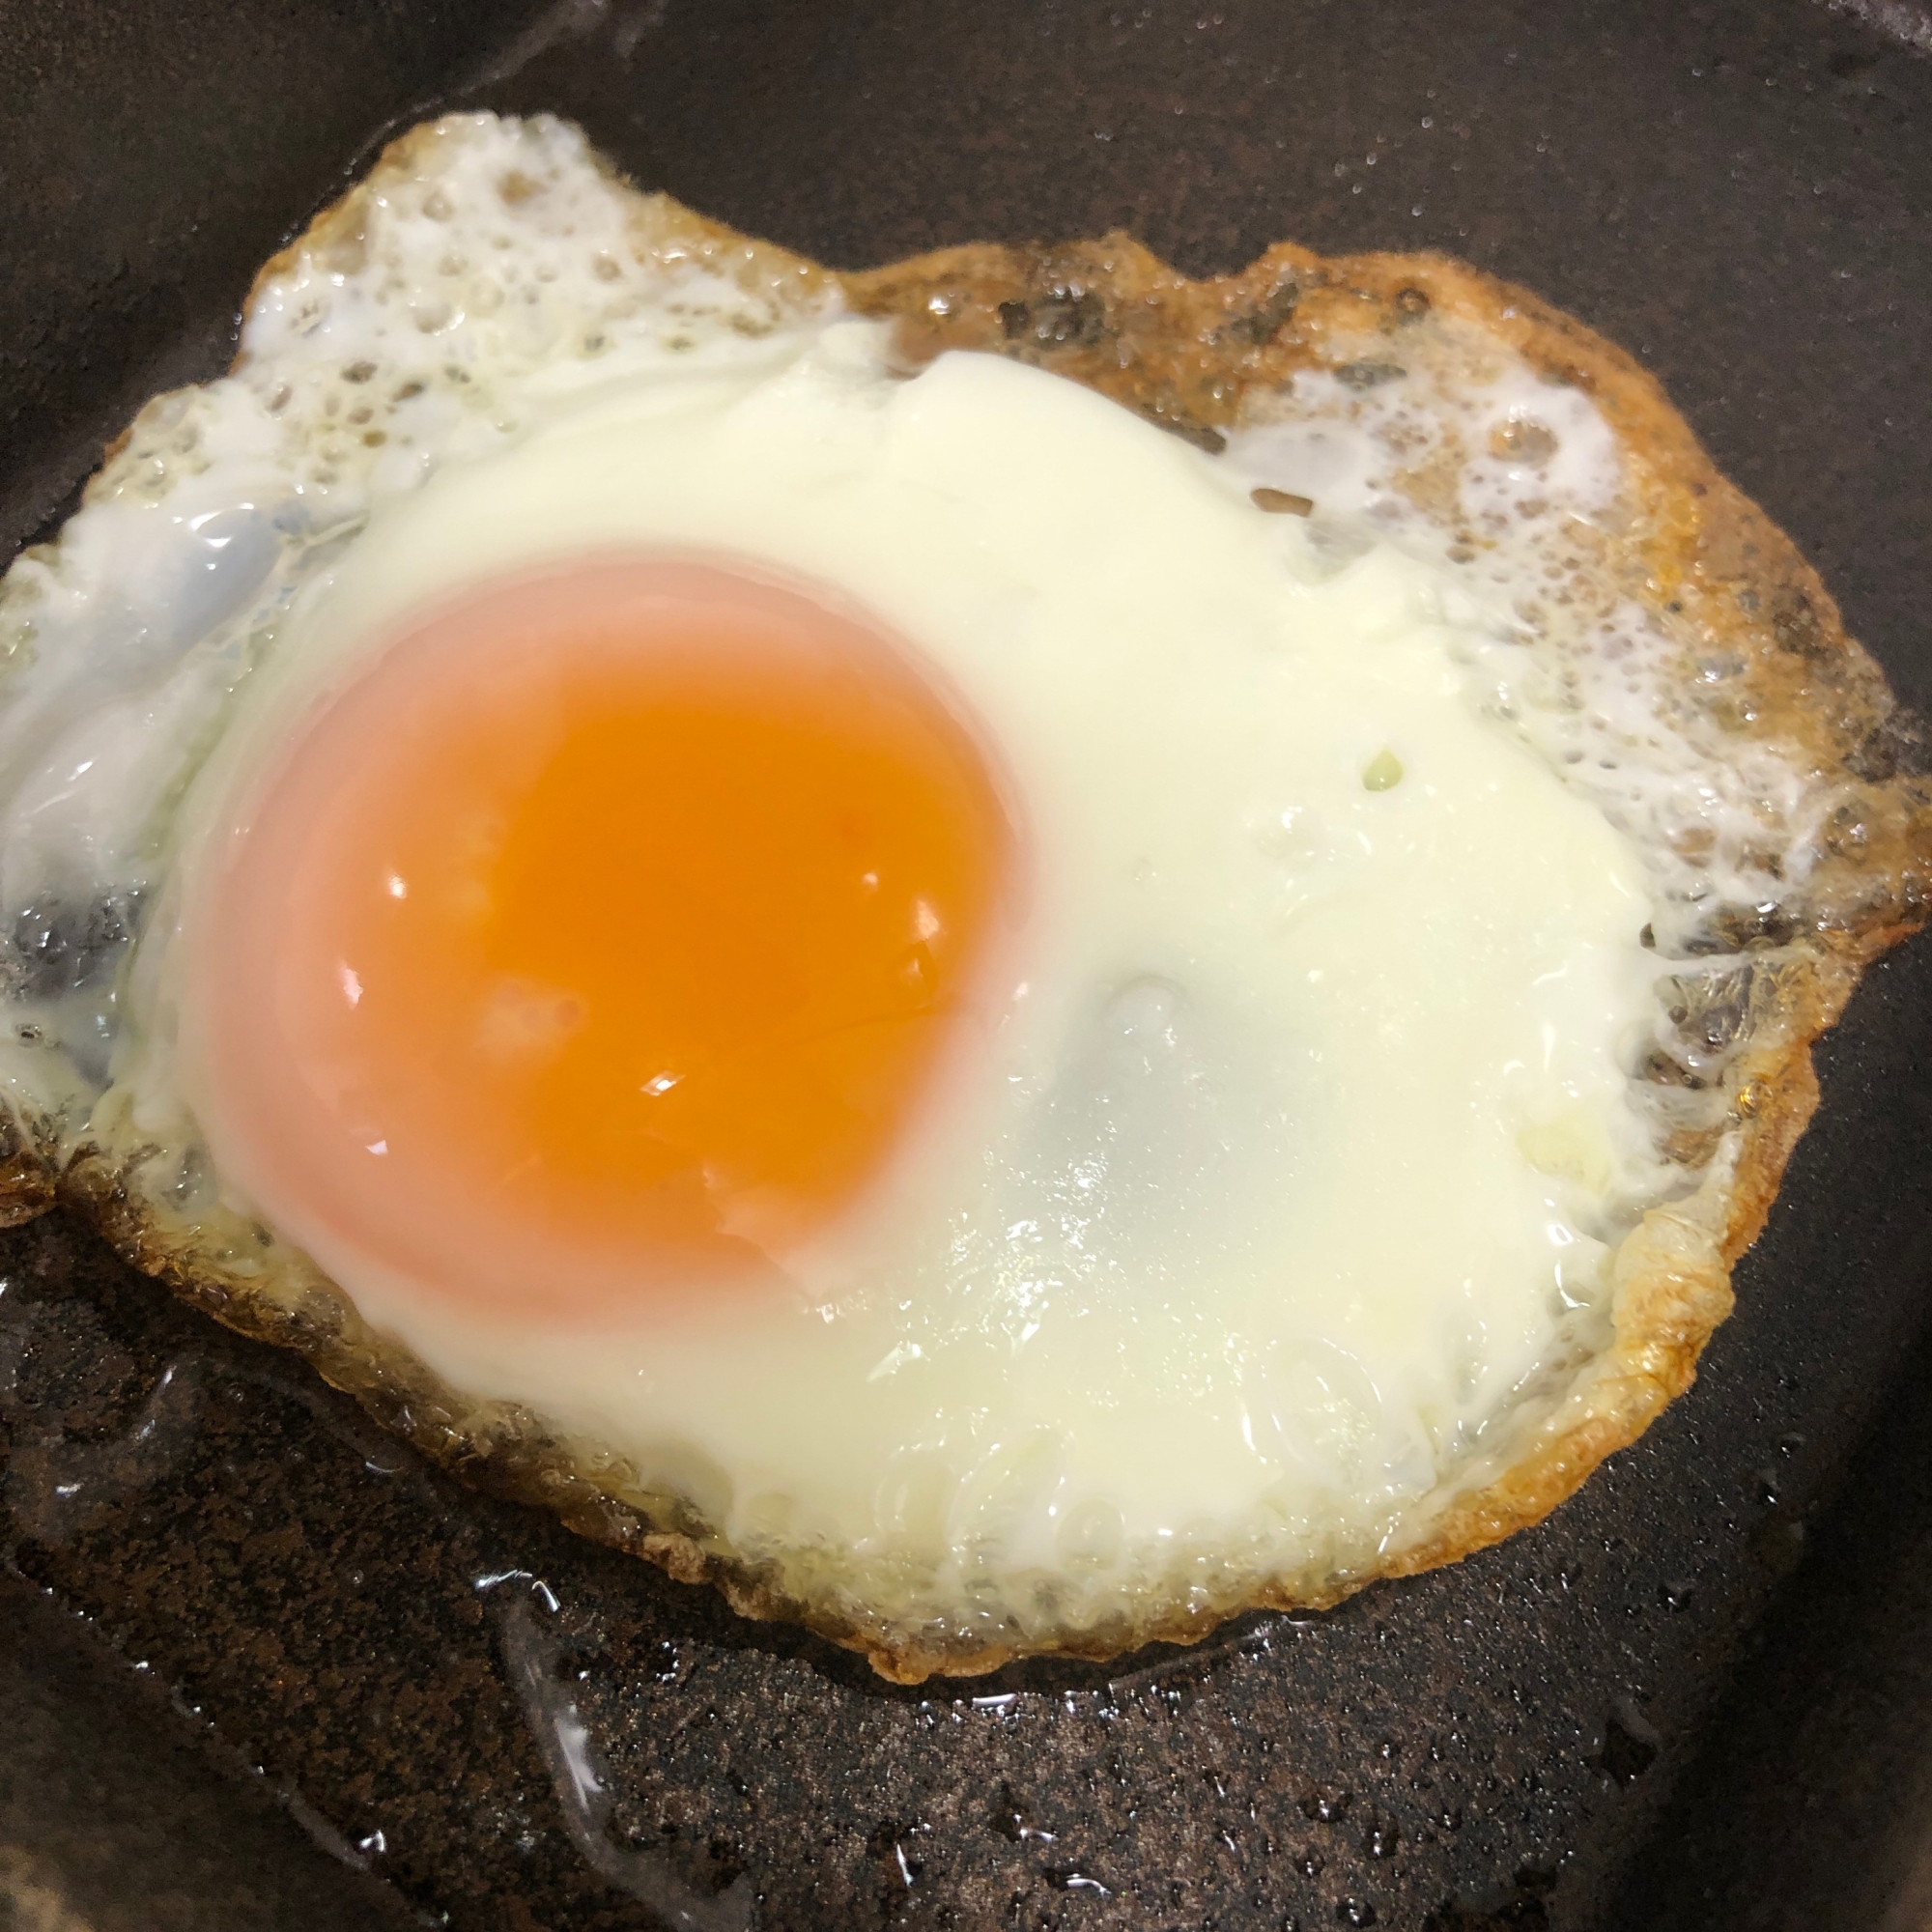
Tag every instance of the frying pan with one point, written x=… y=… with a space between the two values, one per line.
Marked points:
x=260 y=1669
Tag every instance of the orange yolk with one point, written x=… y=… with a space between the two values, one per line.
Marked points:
x=609 y=932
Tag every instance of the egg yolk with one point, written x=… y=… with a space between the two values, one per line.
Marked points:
x=604 y=938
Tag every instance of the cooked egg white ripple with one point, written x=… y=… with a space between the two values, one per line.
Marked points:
x=1286 y=1180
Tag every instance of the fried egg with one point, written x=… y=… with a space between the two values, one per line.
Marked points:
x=950 y=1009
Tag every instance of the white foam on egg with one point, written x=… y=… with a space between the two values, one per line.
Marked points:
x=1585 y=673
x=1283 y=1189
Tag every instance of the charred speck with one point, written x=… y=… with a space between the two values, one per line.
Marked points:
x=1412 y=303
x=1794 y=623
x=1369 y=375
x=1063 y=314
x=1665 y=1069
x=1200 y=435
x=1746 y=928
x=1901 y=747
x=1260 y=325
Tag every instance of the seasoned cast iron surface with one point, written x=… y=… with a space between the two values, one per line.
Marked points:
x=1809 y=1806
x=519 y=1730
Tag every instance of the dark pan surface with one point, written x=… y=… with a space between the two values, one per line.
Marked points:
x=1738 y=193
x=1809 y=1806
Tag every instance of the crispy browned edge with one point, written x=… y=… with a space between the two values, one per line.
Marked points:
x=1186 y=354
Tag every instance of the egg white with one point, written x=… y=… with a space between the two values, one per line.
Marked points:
x=1229 y=1233
x=1285 y=1186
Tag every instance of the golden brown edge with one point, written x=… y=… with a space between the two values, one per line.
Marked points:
x=1184 y=354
